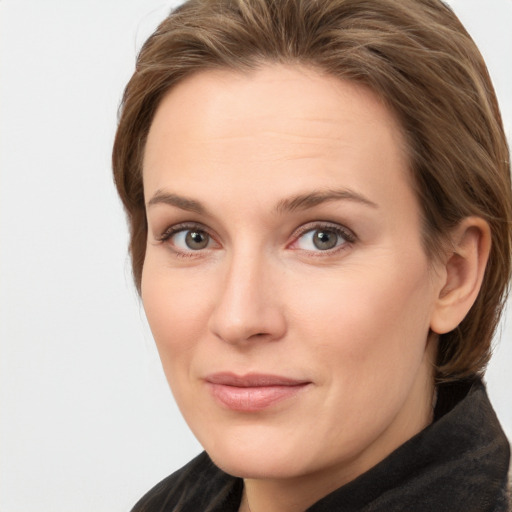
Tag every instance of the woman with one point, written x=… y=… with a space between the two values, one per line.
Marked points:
x=320 y=207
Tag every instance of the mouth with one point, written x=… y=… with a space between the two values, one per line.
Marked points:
x=252 y=392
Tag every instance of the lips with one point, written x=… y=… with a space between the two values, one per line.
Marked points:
x=252 y=392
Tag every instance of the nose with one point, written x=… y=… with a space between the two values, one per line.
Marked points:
x=248 y=305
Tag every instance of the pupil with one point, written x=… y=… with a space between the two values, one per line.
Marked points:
x=325 y=240
x=196 y=239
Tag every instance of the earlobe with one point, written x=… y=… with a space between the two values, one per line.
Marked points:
x=464 y=268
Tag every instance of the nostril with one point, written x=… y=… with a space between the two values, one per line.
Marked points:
x=259 y=335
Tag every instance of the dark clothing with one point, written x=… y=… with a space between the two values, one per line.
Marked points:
x=458 y=463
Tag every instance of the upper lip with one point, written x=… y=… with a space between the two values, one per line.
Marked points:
x=252 y=380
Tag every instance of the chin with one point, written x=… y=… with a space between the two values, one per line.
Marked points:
x=266 y=459
x=255 y=466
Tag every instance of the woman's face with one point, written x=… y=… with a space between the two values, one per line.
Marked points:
x=285 y=281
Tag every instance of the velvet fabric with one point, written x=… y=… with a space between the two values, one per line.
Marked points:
x=458 y=463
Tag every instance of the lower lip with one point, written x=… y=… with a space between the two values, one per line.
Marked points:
x=253 y=399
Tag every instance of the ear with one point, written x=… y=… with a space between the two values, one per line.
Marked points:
x=462 y=273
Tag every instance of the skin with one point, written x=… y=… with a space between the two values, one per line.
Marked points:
x=227 y=154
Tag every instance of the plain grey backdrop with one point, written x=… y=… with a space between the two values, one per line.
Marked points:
x=87 y=423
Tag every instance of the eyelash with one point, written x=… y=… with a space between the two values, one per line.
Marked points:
x=339 y=230
x=177 y=228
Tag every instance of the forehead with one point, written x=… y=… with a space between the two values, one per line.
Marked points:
x=277 y=119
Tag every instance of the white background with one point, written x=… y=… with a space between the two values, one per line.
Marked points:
x=87 y=423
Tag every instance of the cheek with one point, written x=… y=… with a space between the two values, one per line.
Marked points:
x=370 y=323
x=175 y=313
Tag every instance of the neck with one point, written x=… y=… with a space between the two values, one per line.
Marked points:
x=293 y=495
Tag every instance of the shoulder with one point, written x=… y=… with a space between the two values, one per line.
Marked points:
x=199 y=485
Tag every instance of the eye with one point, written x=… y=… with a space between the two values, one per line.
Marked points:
x=187 y=239
x=323 y=238
x=192 y=239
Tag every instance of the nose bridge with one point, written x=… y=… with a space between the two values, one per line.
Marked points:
x=246 y=306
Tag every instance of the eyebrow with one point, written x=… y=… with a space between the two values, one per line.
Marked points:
x=294 y=203
x=184 y=203
x=312 y=199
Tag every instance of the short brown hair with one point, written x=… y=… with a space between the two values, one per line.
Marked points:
x=415 y=55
